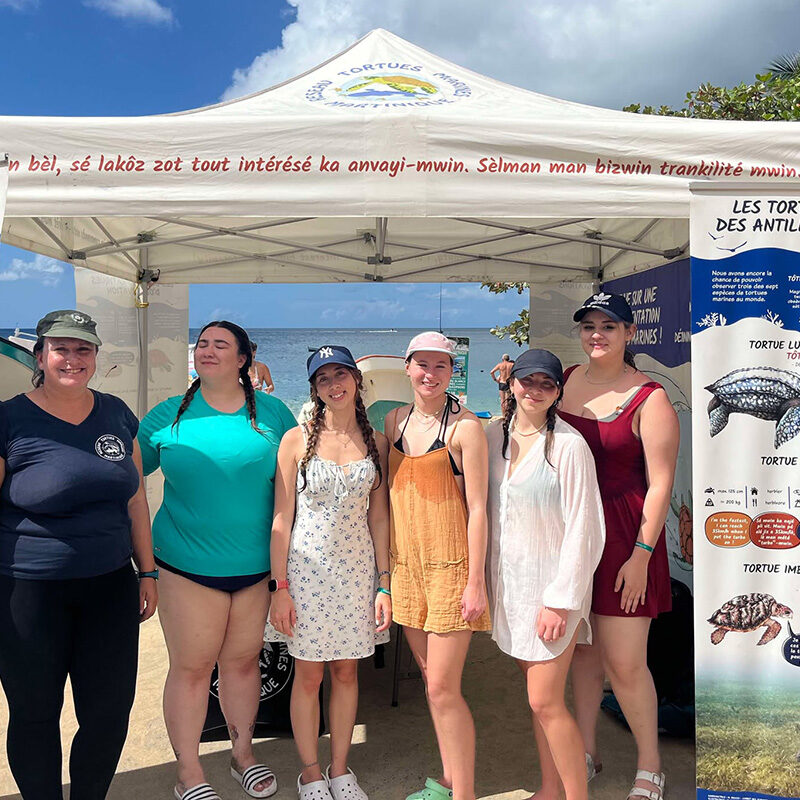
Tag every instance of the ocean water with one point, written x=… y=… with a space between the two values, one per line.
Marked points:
x=285 y=352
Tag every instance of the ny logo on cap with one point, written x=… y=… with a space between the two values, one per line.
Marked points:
x=601 y=298
x=325 y=352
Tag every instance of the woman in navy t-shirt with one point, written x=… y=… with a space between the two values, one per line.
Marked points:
x=72 y=513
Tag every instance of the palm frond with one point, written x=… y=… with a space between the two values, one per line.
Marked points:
x=786 y=66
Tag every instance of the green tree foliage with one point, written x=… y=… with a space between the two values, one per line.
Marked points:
x=774 y=96
x=770 y=97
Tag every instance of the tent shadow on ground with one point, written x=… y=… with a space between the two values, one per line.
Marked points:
x=394 y=747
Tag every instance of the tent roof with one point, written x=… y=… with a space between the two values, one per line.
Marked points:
x=385 y=162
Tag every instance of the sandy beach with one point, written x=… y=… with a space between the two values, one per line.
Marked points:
x=393 y=748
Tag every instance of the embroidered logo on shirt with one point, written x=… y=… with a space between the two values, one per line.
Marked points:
x=110 y=447
x=325 y=352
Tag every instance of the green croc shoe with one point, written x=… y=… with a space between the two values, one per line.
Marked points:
x=433 y=791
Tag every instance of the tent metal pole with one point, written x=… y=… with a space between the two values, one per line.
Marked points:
x=142 y=303
x=67 y=252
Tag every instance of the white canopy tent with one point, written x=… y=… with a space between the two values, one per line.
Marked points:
x=384 y=163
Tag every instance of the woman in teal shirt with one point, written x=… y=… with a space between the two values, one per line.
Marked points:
x=217 y=448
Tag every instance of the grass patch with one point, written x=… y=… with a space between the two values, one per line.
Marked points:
x=748 y=738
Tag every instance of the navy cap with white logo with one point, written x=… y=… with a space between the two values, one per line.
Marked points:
x=612 y=305
x=329 y=354
x=535 y=360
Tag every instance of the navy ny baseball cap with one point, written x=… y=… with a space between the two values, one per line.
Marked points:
x=329 y=354
x=612 y=305
x=535 y=360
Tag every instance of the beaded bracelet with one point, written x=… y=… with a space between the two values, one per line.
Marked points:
x=384 y=572
x=381 y=590
x=644 y=546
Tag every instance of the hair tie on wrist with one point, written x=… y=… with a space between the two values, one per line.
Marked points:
x=644 y=546
x=381 y=590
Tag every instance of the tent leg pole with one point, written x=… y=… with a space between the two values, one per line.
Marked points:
x=142 y=303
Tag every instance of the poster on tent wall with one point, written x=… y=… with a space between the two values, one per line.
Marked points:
x=550 y=316
x=112 y=303
x=660 y=301
x=460 y=379
x=746 y=451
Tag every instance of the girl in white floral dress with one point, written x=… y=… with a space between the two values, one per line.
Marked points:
x=330 y=563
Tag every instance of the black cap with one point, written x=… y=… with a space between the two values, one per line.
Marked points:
x=70 y=324
x=535 y=360
x=612 y=305
x=329 y=354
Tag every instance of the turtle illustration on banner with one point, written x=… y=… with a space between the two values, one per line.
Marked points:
x=748 y=612
x=763 y=392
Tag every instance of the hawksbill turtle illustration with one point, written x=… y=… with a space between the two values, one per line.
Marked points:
x=747 y=612
x=763 y=392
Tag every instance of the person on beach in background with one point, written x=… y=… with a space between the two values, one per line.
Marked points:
x=259 y=373
x=632 y=430
x=72 y=513
x=437 y=498
x=217 y=447
x=546 y=535
x=330 y=555
x=503 y=370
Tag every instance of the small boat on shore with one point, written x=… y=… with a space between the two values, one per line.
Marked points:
x=16 y=368
x=386 y=386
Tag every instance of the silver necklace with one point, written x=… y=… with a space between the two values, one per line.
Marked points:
x=603 y=383
x=535 y=430
x=430 y=416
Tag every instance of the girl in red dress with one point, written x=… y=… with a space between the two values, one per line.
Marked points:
x=632 y=430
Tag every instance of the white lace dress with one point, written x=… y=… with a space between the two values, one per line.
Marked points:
x=331 y=565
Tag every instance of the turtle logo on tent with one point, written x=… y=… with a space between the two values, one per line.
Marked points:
x=387 y=87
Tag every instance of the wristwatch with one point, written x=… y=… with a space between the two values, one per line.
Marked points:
x=152 y=574
x=274 y=585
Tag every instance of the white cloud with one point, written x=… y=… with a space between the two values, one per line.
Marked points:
x=46 y=270
x=140 y=10
x=607 y=53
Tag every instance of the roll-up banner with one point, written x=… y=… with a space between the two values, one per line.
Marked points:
x=3 y=185
x=745 y=247
x=112 y=303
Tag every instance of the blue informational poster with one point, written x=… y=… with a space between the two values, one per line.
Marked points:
x=746 y=453
x=659 y=299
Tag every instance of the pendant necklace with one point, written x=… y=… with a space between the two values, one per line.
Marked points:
x=603 y=383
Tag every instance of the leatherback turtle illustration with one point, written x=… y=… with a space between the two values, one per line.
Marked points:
x=747 y=612
x=763 y=392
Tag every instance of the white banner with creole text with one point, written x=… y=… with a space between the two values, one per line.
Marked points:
x=746 y=453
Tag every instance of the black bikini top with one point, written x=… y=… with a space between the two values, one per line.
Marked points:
x=451 y=403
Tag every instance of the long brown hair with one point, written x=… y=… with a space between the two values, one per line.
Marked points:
x=243 y=349
x=511 y=409
x=316 y=423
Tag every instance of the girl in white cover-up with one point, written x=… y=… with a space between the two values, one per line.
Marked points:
x=546 y=536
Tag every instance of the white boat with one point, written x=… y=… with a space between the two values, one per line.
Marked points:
x=23 y=339
x=386 y=386
x=16 y=369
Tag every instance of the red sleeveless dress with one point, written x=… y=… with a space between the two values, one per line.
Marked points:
x=619 y=458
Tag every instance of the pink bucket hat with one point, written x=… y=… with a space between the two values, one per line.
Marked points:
x=431 y=341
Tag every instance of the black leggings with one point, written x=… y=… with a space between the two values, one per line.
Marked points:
x=88 y=629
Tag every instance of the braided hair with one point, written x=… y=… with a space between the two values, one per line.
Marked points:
x=316 y=423
x=550 y=424
x=243 y=349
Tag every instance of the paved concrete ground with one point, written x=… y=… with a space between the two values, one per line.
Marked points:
x=394 y=748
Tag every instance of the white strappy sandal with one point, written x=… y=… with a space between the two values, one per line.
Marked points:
x=345 y=787
x=656 y=778
x=315 y=790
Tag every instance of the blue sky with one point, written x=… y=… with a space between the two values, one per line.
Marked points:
x=132 y=57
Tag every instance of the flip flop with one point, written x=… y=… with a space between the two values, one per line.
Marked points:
x=252 y=776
